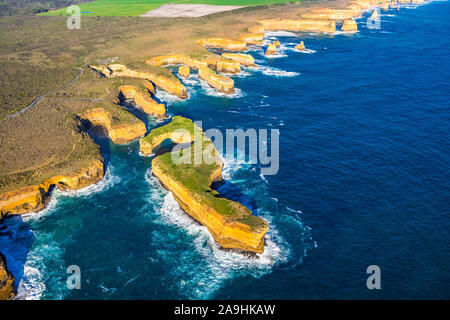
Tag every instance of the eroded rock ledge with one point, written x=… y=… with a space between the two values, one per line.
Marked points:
x=167 y=83
x=224 y=43
x=143 y=100
x=34 y=198
x=231 y=224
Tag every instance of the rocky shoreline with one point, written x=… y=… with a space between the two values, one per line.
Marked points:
x=231 y=224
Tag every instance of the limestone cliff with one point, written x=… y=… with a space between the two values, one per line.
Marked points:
x=171 y=84
x=257 y=29
x=34 y=198
x=184 y=71
x=120 y=125
x=318 y=25
x=143 y=100
x=253 y=38
x=231 y=224
x=223 y=43
x=220 y=82
x=349 y=25
x=243 y=58
x=6 y=281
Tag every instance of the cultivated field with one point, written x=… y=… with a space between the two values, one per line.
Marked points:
x=139 y=7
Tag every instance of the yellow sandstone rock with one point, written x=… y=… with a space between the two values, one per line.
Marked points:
x=231 y=224
x=243 y=58
x=170 y=84
x=271 y=49
x=349 y=25
x=277 y=43
x=300 y=46
x=223 y=43
x=6 y=281
x=34 y=198
x=317 y=25
x=222 y=83
x=118 y=131
x=253 y=38
x=184 y=71
x=143 y=100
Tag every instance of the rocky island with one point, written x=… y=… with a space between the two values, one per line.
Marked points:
x=231 y=224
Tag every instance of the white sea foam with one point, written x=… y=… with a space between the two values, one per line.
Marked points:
x=270 y=71
x=31 y=286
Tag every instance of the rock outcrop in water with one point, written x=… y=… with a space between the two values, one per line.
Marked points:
x=120 y=125
x=301 y=46
x=223 y=43
x=143 y=100
x=374 y=15
x=34 y=198
x=231 y=224
x=220 y=82
x=271 y=49
x=168 y=83
x=349 y=25
x=326 y=26
x=6 y=281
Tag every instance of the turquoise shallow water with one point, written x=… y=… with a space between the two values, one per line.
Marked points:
x=363 y=179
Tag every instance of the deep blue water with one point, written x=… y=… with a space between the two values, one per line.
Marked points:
x=364 y=176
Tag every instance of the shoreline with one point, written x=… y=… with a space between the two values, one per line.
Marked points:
x=211 y=77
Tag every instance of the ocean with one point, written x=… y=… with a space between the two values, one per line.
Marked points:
x=364 y=179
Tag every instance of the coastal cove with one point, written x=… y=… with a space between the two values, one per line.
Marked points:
x=363 y=175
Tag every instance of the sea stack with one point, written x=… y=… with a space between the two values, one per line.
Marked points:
x=184 y=71
x=349 y=25
x=6 y=281
x=277 y=43
x=271 y=49
x=301 y=46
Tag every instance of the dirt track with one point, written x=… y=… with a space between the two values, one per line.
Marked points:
x=187 y=10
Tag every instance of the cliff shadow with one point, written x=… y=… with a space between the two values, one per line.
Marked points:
x=16 y=239
x=228 y=190
x=100 y=137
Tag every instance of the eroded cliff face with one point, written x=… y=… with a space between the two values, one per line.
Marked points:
x=6 y=281
x=231 y=224
x=220 y=82
x=271 y=49
x=171 y=84
x=318 y=25
x=223 y=43
x=184 y=71
x=253 y=38
x=34 y=198
x=349 y=25
x=213 y=61
x=117 y=130
x=243 y=58
x=143 y=100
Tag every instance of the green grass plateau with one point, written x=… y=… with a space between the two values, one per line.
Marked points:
x=138 y=7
